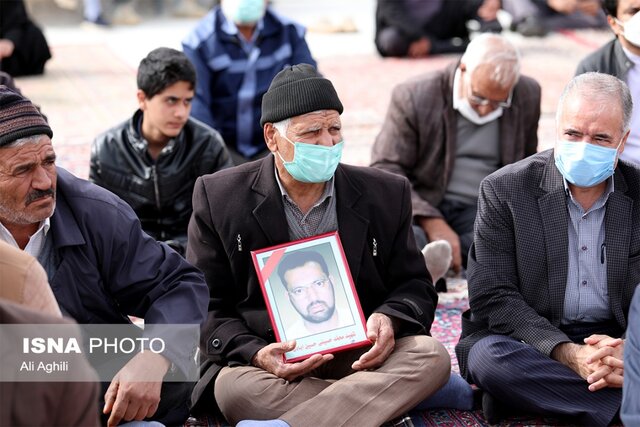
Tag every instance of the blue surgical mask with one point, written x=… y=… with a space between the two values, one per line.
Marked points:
x=313 y=163
x=243 y=11
x=584 y=164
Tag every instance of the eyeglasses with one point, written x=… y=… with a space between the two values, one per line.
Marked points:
x=482 y=101
x=318 y=284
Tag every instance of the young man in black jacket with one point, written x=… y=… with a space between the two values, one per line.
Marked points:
x=153 y=159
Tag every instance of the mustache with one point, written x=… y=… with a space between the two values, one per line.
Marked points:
x=316 y=302
x=39 y=194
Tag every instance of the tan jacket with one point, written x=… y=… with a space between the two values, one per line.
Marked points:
x=24 y=281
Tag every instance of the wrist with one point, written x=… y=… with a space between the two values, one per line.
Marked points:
x=566 y=353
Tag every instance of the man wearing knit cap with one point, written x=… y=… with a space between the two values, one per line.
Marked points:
x=101 y=266
x=300 y=191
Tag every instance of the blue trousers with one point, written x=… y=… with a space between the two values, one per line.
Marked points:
x=523 y=378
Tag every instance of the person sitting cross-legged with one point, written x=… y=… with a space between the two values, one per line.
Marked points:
x=553 y=266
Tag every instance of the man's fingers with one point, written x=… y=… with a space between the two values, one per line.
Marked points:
x=110 y=396
x=291 y=371
x=119 y=409
x=613 y=362
x=598 y=385
x=598 y=374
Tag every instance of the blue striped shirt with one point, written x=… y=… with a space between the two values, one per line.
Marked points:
x=586 y=297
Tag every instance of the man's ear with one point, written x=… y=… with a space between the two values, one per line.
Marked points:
x=270 y=137
x=142 y=98
x=615 y=27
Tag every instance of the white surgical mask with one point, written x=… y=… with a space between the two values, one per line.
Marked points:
x=631 y=29
x=243 y=11
x=462 y=105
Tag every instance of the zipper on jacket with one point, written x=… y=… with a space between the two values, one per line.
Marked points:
x=156 y=189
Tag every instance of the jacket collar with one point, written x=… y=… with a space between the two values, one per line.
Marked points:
x=268 y=26
x=622 y=62
x=353 y=224
x=139 y=144
x=64 y=227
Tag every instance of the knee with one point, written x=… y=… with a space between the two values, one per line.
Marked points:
x=489 y=359
x=434 y=361
x=235 y=388
x=391 y=42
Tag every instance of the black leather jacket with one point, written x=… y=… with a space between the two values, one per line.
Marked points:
x=160 y=192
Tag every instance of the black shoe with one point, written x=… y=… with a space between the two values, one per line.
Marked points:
x=441 y=285
x=494 y=411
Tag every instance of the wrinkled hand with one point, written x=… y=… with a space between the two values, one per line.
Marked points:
x=128 y=397
x=6 y=48
x=438 y=229
x=608 y=362
x=380 y=332
x=488 y=10
x=270 y=358
x=419 y=48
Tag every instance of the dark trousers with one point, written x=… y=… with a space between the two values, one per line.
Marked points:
x=460 y=217
x=523 y=378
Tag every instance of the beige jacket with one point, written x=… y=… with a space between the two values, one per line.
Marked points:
x=24 y=281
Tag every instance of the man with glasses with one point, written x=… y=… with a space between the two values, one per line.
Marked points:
x=310 y=290
x=447 y=130
x=621 y=58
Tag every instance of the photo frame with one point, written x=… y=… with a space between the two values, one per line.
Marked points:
x=310 y=296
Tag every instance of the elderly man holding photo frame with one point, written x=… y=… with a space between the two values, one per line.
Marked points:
x=301 y=191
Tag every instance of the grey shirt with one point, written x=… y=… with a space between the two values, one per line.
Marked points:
x=477 y=155
x=321 y=218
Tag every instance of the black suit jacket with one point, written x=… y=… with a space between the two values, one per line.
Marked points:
x=519 y=259
x=240 y=209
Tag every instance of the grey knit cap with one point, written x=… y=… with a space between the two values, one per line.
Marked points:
x=19 y=118
x=296 y=90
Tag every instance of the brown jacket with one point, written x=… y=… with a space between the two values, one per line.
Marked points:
x=418 y=137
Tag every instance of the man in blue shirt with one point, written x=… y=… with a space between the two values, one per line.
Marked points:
x=237 y=49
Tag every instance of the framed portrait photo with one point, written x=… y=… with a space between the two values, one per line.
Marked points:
x=310 y=296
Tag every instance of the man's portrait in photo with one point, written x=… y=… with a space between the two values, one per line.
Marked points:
x=311 y=290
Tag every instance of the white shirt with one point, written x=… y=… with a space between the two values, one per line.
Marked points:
x=36 y=241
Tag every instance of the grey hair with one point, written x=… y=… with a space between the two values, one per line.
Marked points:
x=282 y=126
x=496 y=52
x=33 y=139
x=603 y=88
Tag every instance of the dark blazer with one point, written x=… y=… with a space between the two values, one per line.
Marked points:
x=240 y=209
x=609 y=59
x=418 y=136
x=107 y=268
x=517 y=281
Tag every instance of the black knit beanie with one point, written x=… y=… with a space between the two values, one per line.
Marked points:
x=19 y=118
x=296 y=90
